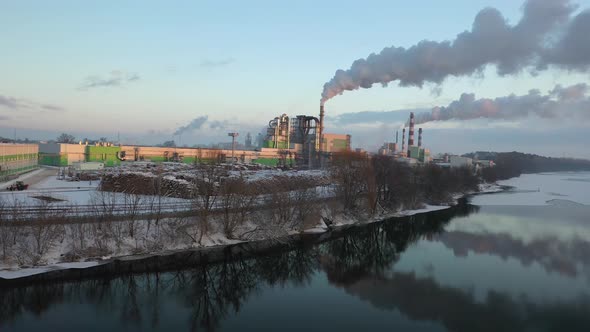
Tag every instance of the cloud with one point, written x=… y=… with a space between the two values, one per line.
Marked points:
x=10 y=102
x=114 y=79
x=491 y=41
x=50 y=107
x=22 y=104
x=217 y=63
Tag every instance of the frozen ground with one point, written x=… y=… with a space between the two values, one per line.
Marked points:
x=81 y=192
x=542 y=189
x=19 y=273
x=67 y=192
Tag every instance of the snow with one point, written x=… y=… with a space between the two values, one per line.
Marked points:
x=25 y=272
x=427 y=208
x=541 y=189
x=148 y=241
x=21 y=178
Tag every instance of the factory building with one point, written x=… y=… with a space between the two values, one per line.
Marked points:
x=266 y=156
x=63 y=154
x=411 y=151
x=17 y=158
x=388 y=149
x=303 y=138
x=335 y=143
x=458 y=161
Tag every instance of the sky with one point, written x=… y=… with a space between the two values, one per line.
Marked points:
x=142 y=70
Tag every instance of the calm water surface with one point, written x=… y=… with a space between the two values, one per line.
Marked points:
x=469 y=268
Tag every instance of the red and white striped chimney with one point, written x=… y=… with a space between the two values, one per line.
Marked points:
x=419 y=137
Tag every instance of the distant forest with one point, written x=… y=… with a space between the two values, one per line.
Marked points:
x=511 y=164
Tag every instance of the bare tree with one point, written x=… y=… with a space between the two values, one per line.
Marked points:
x=205 y=192
x=305 y=202
x=349 y=175
x=5 y=229
x=65 y=138
x=132 y=204
x=43 y=231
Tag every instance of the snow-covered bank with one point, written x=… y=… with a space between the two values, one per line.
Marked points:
x=291 y=211
x=215 y=240
x=541 y=189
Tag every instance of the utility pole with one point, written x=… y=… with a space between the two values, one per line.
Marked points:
x=233 y=145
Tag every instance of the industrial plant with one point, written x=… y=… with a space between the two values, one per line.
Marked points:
x=289 y=141
x=412 y=154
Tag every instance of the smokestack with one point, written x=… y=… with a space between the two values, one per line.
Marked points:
x=411 y=132
x=419 y=137
x=321 y=131
x=396 y=136
x=404 y=140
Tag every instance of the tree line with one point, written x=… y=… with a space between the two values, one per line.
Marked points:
x=513 y=164
x=372 y=184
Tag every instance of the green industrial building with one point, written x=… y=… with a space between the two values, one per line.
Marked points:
x=17 y=158
x=62 y=154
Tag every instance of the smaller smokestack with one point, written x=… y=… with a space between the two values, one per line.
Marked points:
x=404 y=140
x=396 y=136
x=411 y=132
x=321 y=131
x=419 y=137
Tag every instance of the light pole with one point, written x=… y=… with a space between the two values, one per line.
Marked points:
x=233 y=145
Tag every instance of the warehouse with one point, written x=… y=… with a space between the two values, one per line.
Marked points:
x=16 y=159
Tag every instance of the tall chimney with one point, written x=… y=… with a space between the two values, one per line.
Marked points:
x=411 y=133
x=419 y=137
x=321 y=131
x=396 y=136
x=404 y=140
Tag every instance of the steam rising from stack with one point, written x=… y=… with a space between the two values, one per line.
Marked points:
x=490 y=41
x=566 y=102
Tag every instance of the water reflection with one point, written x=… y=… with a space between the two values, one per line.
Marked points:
x=553 y=254
x=361 y=262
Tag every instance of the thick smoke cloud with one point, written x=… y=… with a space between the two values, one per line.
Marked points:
x=561 y=101
x=195 y=124
x=534 y=43
x=199 y=122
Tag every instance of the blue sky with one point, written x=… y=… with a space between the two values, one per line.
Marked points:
x=234 y=61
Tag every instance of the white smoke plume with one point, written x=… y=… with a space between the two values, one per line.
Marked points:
x=572 y=101
x=195 y=124
x=548 y=34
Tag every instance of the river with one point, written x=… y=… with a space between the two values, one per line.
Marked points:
x=510 y=261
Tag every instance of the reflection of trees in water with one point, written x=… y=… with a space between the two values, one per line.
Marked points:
x=374 y=248
x=209 y=292
x=212 y=291
x=424 y=299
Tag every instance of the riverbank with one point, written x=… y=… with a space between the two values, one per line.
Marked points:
x=216 y=248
